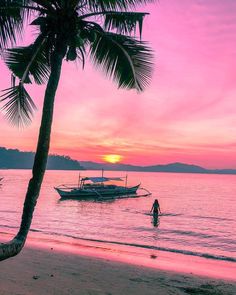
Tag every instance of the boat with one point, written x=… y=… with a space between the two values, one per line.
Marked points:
x=96 y=187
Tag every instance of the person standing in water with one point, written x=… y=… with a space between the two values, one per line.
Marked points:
x=156 y=207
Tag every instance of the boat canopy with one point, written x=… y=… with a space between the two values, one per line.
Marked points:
x=102 y=179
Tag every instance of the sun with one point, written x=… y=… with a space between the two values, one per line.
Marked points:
x=112 y=158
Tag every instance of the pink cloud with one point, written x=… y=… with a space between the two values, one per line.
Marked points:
x=187 y=114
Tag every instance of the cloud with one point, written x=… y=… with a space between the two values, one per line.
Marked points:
x=187 y=113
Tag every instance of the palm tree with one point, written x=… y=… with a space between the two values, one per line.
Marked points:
x=104 y=30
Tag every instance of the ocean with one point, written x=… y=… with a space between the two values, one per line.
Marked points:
x=198 y=212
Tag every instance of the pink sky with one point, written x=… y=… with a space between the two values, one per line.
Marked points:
x=187 y=114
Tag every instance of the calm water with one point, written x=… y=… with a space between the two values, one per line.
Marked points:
x=198 y=212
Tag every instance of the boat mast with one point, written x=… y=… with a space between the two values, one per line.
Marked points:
x=126 y=179
x=102 y=175
x=79 y=181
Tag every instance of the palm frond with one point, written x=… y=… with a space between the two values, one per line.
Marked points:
x=124 y=5
x=124 y=22
x=29 y=61
x=81 y=55
x=47 y=4
x=61 y=4
x=13 y=13
x=125 y=59
x=10 y=21
x=19 y=107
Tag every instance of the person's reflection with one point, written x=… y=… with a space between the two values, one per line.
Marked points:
x=155 y=219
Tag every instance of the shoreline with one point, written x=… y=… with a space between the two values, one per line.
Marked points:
x=148 y=258
x=63 y=267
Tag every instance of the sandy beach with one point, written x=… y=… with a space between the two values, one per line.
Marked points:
x=67 y=268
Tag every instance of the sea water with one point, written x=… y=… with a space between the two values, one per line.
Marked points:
x=198 y=212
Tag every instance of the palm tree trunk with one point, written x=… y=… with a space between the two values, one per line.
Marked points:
x=13 y=247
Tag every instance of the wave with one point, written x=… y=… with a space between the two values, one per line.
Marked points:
x=211 y=217
x=9 y=211
x=8 y=226
x=171 y=234
x=180 y=251
x=186 y=252
x=173 y=250
x=167 y=214
x=189 y=233
x=161 y=214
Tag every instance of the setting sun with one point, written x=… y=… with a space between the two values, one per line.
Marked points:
x=112 y=158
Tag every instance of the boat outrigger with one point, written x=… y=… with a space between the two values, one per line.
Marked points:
x=97 y=187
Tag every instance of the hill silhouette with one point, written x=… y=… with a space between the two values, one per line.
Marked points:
x=15 y=159
x=173 y=167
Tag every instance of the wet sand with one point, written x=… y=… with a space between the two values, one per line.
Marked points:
x=59 y=267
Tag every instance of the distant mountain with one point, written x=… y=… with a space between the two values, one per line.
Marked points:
x=108 y=166
x=15 y=159
x=173 y=167
x=176 y=167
